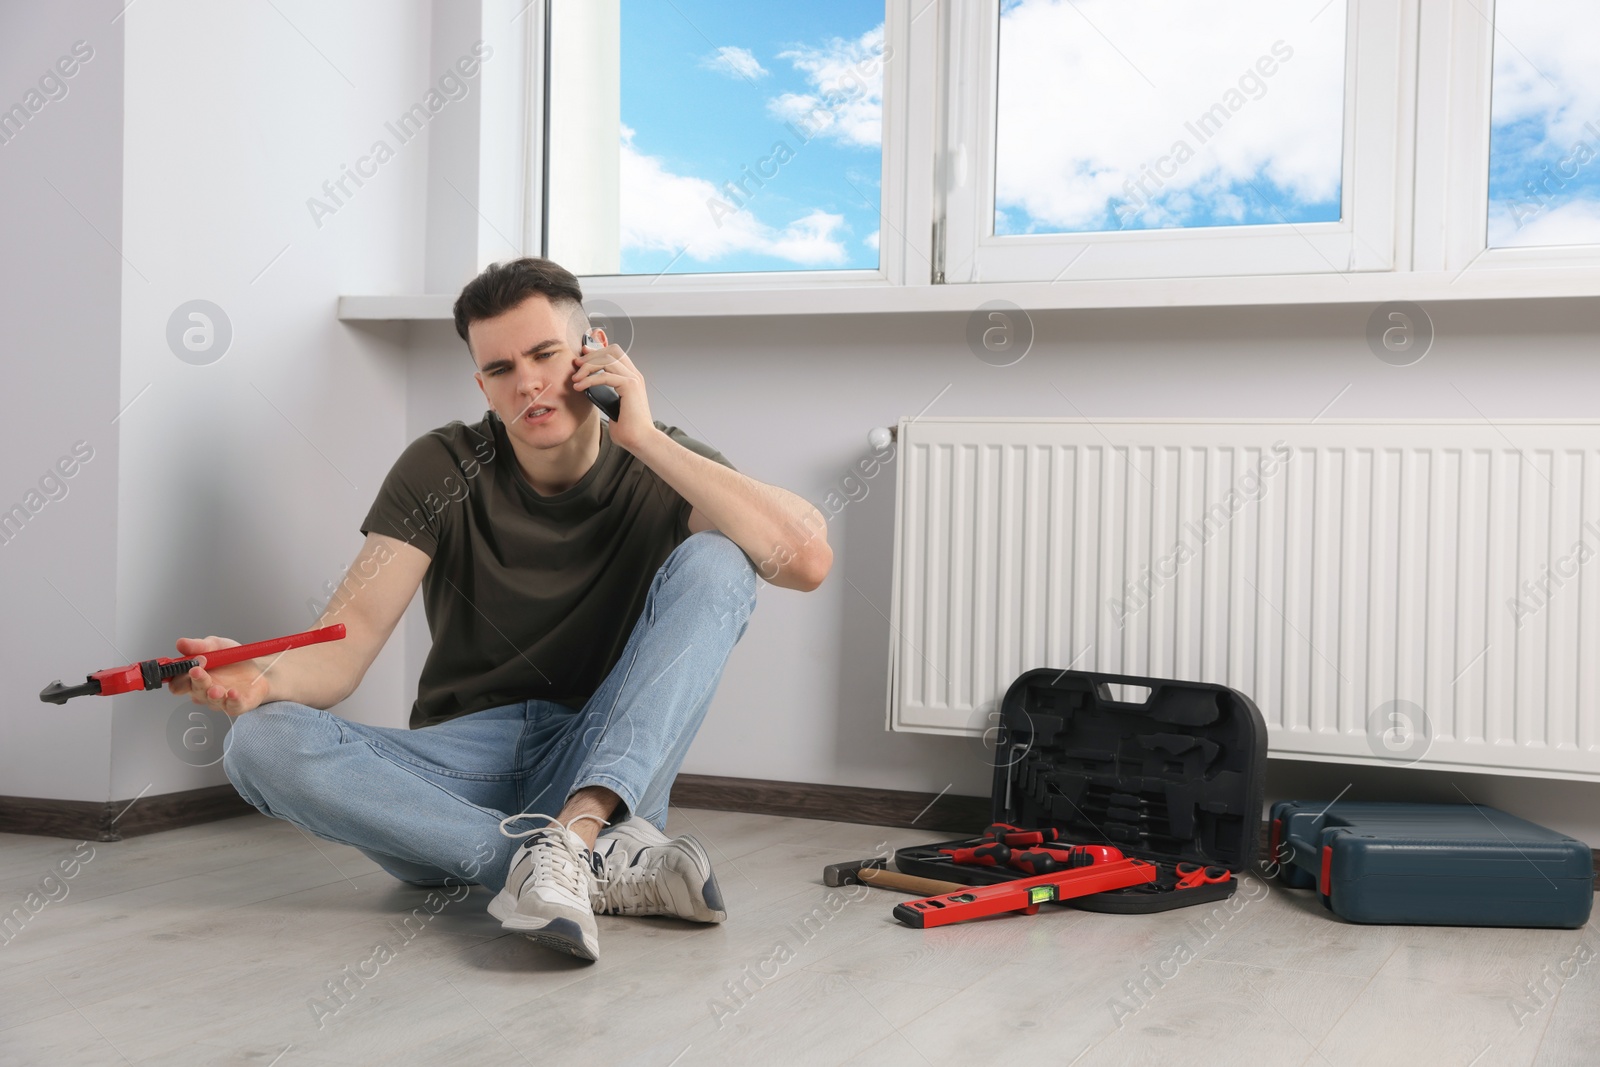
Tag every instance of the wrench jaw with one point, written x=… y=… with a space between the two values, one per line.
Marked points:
x=56 y=693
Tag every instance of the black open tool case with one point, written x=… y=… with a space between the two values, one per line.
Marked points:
x=1165 y=771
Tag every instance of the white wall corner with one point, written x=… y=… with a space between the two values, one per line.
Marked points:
x=585 y=138
x=505 y=126
x=60 y=440
x=456 y=45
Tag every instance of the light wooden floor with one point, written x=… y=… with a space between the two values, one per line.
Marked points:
x=208 y=945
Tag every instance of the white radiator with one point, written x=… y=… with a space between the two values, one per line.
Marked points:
x=1425 y=593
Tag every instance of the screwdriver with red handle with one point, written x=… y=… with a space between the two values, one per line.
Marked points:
x=150 y=673
x=997 y=854
x=990 y=854
x=1016 y=835
x=1046 y=860
x=1039 y=859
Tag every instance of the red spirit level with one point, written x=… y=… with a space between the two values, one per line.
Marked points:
x=150 y=673
x=1024 y=894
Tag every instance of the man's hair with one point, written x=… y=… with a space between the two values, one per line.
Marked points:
x=502 y=286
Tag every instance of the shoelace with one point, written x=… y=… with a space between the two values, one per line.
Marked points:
x=562 y=876
x=636 y=889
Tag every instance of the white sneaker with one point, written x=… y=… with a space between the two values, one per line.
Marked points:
x=548 y=891
x=619 y=842
x=661 y=877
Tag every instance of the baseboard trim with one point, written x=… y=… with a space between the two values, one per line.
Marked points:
x=945 y=812
x=837 y=803
x=935 y=812
x=114 y=820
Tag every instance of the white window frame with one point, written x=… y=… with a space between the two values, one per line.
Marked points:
x=1378 y=69
x=1455 y=93
x=903 y=210
x=1421 y=164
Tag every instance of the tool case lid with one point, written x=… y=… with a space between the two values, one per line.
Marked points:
x=1165 y=770
x=1432 y=840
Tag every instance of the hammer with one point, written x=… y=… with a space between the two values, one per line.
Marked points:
x=871 y=871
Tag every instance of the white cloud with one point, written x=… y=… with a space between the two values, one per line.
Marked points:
x=1095 y=91
x=846 y=101
x=735 y=62
x=1544 y=65
x=871 y=240
x=809 y=240
x=1546 y=84
x=663 y=211
x=1576 y=222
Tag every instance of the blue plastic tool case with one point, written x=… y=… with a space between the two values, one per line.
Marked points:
x=1166 y=771
x=1432 y=864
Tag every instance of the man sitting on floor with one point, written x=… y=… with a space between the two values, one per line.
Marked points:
x=584 y=582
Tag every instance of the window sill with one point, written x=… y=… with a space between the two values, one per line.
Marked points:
x=657 y=301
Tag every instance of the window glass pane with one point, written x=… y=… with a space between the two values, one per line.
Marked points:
x=690 y=136
x=1154 y=114
x=1544 y=184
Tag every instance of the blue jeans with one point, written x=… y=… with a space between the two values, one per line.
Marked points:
x=426 y=805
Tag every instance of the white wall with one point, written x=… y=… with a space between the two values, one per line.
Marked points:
x=244 y=482
x=790 y=401
x=227 y=494
x=585 y=143
x=60 y=217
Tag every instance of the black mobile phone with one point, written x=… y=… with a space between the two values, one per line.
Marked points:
x=605 y=398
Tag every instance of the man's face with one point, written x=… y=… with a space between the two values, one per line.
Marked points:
x=524 y=359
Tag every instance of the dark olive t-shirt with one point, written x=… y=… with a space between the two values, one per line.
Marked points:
x=527 y=596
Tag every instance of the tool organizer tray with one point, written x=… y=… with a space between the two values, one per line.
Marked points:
x=1165 y=771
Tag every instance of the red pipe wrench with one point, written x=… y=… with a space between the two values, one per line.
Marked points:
x=150 y=673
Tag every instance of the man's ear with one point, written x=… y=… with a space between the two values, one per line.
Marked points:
x=477 y=376
x=599 y=334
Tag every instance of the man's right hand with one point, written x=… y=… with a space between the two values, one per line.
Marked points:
x=233 y=688
x=386 y=575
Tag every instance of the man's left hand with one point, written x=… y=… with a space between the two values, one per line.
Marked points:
x=611 y=366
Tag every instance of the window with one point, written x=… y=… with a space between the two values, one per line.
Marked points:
x=700 y=146
x=708 y=136
x=1203 y=115
x=1147 y=138
x=1544 y=141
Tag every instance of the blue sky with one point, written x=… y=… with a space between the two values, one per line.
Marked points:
x=706 y=89
x=1099 y=120
x=1256 y=200
x=1546 y=124
x=1563 y=169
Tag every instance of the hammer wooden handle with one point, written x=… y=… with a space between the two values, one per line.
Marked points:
x=928 y=887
